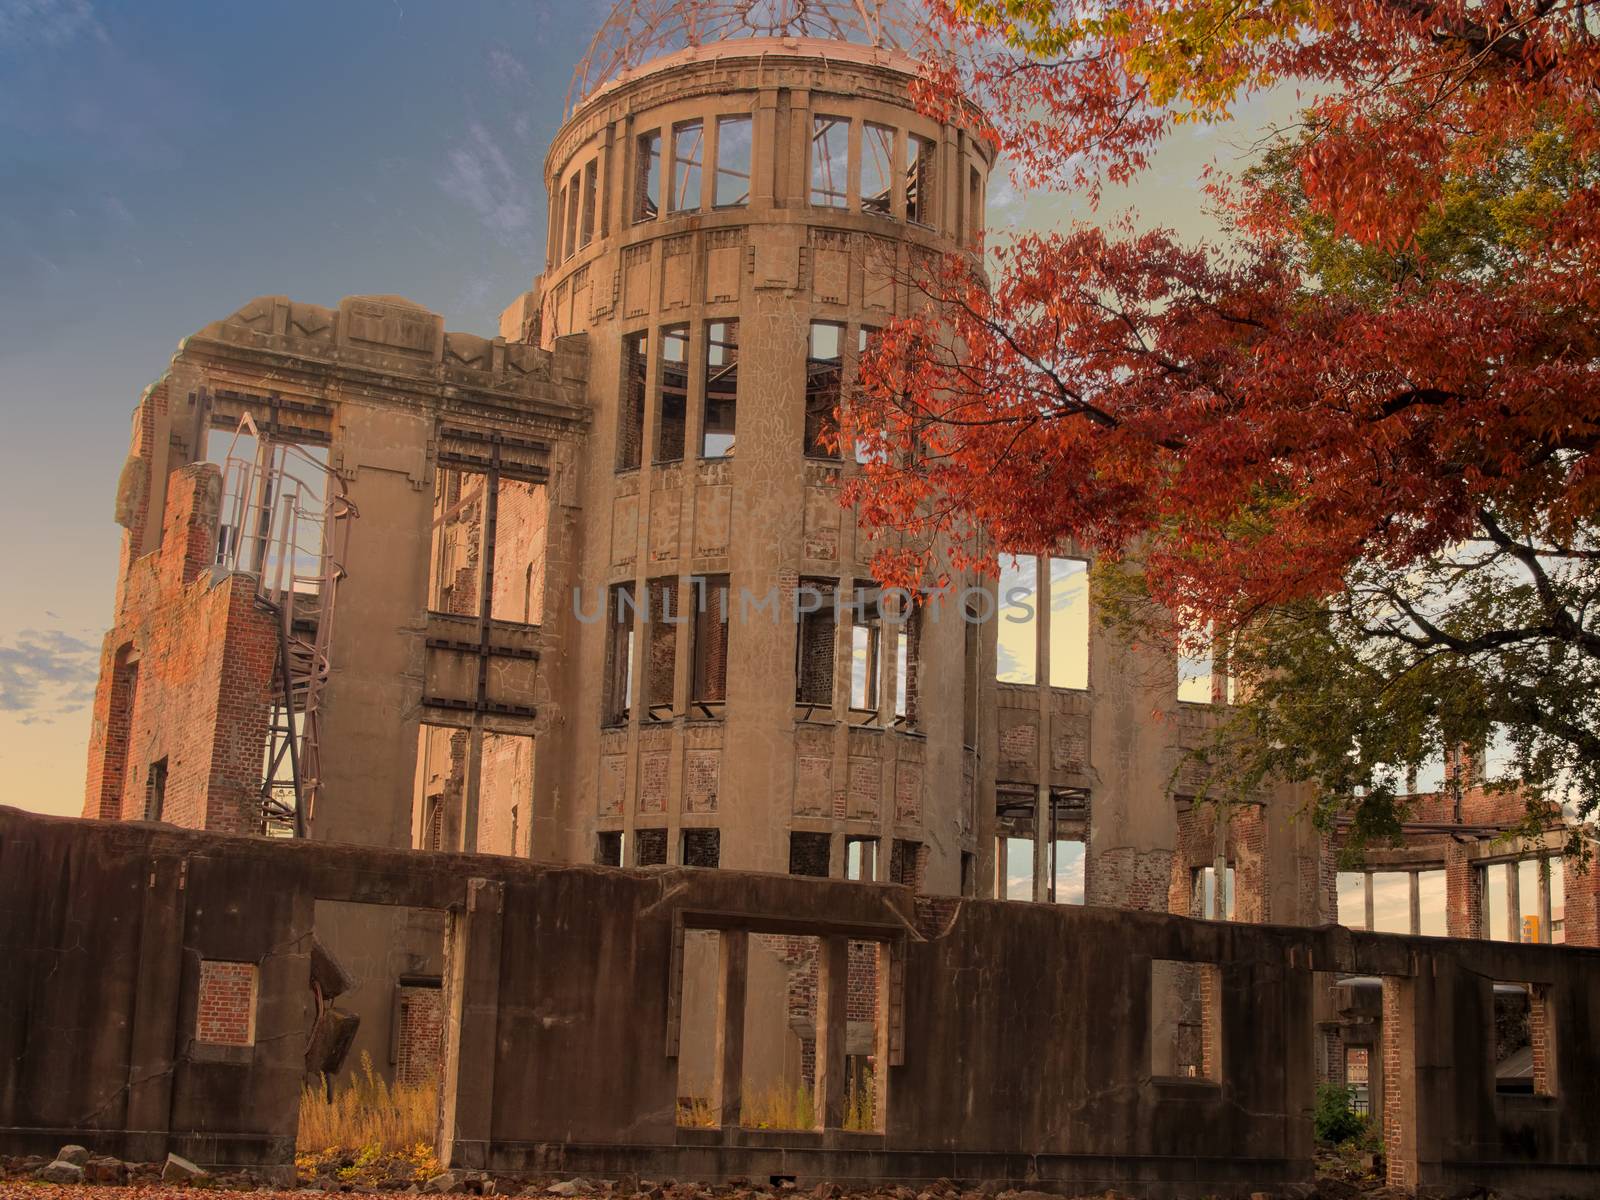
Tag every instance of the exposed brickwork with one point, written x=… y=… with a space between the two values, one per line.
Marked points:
x=1127 y=878
x=205 y=658
x=1463 y=886
x=1540 y=1026
x=226 y=1015
x=1582 y=917
x=661 y=640
x=419 y=1040
x=808 y=853
x=650 y=847
x=1398 y=1081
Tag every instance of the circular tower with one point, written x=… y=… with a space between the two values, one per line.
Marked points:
x=738 y=198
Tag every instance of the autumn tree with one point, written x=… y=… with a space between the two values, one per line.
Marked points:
x=1357 y=440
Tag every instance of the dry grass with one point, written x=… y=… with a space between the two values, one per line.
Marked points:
x=784 y=1107
x=370 y=1127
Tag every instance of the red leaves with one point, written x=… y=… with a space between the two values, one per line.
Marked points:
x=1249 y=430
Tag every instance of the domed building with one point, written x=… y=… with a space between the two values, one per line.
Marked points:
x=585 y=592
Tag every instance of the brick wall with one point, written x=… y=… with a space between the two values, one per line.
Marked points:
x=1127 y=878
x=419 y=1037
x=206 y=658
x=227 y=1007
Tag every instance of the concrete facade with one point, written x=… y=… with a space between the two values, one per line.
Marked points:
x=129 y=936
x=515 y=647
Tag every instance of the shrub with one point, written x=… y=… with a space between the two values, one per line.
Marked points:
x=1334 y=1120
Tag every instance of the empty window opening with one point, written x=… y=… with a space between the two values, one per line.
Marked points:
x=1520 y=1038
x=1185 y=1028
x=824 y=366
x=558 y=212
x=711 y=641
x=830 y=157
x=155 y=791
x=688 y=154
x=1358 y=1078
x=866 y=650
x=630 y=413
x=733 y=162
x=861 y=859
x=1069 y=623
x=225 y=1014
x=814 y=643
x=608 y=851
x=1207 y=903
x=521 y=526
x=1059 y=876
x=1525 y=900
x=908 y=863
x=621 y=610
x=505 y=776
x=647 y=176
x=574 y=197
x=877 y=169
x=591 y=184
x=672 y=411
x=456 y=556
x=663 y=619
x=1195 y=678
x=722 y=388
x=439 y=787
x=919 y=180
x=702 y=847
x=975 y=205
x=1017 y=632
x=907 y=655
x=650 y=847
x=808 y=853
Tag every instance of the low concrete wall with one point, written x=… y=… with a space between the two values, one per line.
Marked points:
x=1017 y=1037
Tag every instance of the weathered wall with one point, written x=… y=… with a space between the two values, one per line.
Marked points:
x=1017 y=1036
x=186 y=677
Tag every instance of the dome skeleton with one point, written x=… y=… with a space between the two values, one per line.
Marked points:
x=637 y=31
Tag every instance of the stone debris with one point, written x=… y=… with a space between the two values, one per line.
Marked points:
x=180 y=1170
x=62 y=1172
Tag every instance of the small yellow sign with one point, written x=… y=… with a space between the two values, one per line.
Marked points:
x=1530 y=928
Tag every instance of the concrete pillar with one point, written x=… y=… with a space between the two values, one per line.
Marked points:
x=472 y=952
x=1416 y=902
x=729 y=1065
x=153 y=1041
x=1545 y=935
x=833 y=990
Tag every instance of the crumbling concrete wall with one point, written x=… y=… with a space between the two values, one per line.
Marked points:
x=1016 y=1041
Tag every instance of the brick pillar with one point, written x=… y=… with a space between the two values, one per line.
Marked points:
x=1463 y=893
x=1399 y=1082
x=1582 y=916
x=1544 y=1081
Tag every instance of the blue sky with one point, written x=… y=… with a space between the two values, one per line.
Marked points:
x=163 y=162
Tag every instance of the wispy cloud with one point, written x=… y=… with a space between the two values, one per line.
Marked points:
x=47 y=23
x=45 y=674
x=480 y=175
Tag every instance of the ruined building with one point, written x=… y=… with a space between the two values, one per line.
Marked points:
x=583 y=592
